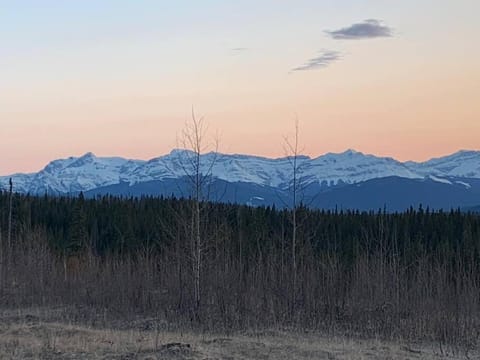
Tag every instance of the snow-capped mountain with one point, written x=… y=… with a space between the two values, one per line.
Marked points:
x=462 y=164
x=89 y=172
x=330 y=169
x=74 y=174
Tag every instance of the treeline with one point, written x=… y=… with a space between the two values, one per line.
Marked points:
x=112 y=225
x=414 y=274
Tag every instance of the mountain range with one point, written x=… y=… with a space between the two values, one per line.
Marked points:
x=349 y=179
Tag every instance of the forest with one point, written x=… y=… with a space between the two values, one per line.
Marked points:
x=413 y=275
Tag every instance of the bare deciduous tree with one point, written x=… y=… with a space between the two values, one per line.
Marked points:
x=9 y=239
x=198 y=173
x=292 y=151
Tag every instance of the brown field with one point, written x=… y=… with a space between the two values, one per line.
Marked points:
x=48 y=334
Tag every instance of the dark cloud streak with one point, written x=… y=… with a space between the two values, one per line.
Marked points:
x=368 y=29
x=325 y=58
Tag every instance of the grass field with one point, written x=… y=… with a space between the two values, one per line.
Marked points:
x=51 y=334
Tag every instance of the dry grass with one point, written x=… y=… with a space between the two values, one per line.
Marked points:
x=41 y=334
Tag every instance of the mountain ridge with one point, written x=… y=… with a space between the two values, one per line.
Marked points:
x=87 y=172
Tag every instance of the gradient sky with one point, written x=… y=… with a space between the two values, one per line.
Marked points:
x=119 y=77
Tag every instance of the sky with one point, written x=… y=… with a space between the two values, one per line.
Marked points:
x=115 y=77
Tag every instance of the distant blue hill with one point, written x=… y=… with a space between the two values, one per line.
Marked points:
x=474 y=209
x=392 y=193
x=218 y=191
x=399 y=194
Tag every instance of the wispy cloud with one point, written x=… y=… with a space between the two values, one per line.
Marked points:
x=239 y=49
x=365 y=30
x=325 y=58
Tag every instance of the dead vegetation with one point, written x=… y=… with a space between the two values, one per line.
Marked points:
x=399 y=278
x=40 y=334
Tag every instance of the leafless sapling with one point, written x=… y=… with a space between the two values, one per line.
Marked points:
x=198 y=172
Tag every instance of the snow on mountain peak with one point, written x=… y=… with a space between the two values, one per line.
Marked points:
x=88 y=155
x=88 y=171
x=463 y=163
x=351 y=152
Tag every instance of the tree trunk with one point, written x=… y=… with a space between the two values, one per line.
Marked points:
x=9 y=239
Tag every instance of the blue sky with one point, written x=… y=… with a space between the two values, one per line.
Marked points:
x=113 y=71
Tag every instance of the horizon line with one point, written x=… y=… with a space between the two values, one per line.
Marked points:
x=349 y=150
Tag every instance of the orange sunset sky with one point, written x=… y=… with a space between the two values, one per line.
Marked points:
x=399 y=79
